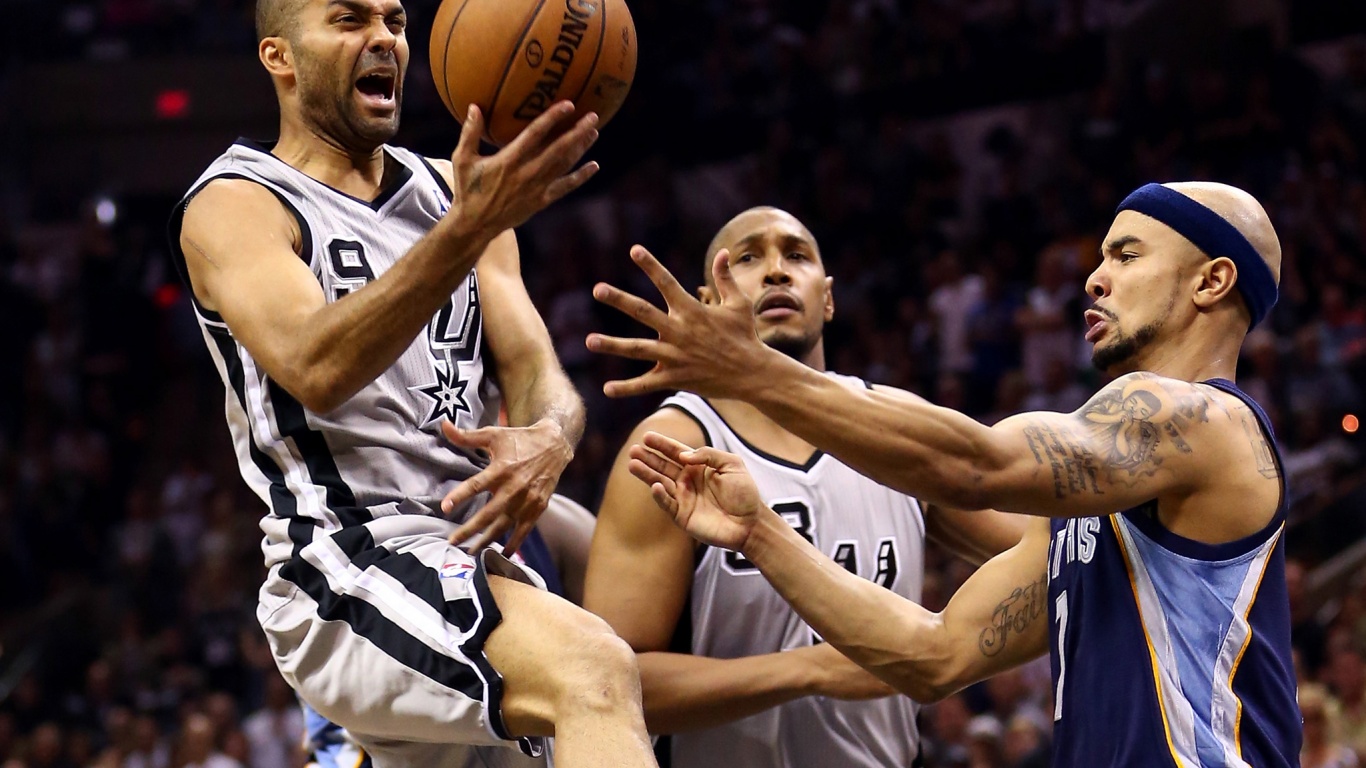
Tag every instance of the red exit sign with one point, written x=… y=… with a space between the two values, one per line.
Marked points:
x=172 y=103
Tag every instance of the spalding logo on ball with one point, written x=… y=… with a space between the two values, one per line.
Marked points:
x=514 y=58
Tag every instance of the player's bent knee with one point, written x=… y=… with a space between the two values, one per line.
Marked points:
x=558 y=661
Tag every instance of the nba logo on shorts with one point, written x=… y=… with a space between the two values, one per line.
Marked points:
x=456 y=570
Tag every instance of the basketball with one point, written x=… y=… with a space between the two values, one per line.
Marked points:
x=514 y=58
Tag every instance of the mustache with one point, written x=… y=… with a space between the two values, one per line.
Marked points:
x=1106 y=312
x=371 y=59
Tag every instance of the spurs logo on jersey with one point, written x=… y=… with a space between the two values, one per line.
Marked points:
x=869 y=529
x=453 y=332
x=384 y=444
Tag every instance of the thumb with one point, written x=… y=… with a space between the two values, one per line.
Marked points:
x=466 y=438
x=726 y=288
x=467 y=150
x=706 y=455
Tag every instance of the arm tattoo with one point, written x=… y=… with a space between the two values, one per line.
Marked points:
x=1261 y=449
x=1074 y=467
x=1013 y=616
x=201 y=251
x=476 y=184
x=1123 y=425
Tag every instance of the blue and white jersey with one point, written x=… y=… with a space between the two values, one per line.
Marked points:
x=1168 y=651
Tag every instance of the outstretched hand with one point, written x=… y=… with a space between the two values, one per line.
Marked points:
x=708 y=492
x=503 y=190
x=525 y=465
x=711 y=349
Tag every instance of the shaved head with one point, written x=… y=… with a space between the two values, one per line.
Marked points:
x=749 y=221
x=277 y=18
x=1242 y=211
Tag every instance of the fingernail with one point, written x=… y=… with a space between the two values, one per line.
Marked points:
x=445 y=506
x=469 y=114
x=592 y=118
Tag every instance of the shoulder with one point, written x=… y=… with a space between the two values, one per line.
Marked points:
x=1147 y=396
x=230 y=201
x=675 y=422
x=444 y=169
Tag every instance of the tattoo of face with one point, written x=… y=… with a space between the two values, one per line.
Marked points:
x=1013 y=616
x=1123 y=426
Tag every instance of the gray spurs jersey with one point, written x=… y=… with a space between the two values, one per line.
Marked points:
x=381 y=452
x=868 y=528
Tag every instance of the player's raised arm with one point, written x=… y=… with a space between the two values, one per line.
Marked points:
x=243 y=252
x=545 y=412
x=640 y=570
x=996 y=620
x=1109 y=455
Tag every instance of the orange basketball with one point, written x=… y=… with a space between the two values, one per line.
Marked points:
x=514 y=58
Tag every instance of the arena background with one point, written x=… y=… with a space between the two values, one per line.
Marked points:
x=958 y=162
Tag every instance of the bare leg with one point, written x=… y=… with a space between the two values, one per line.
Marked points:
x=567 y=674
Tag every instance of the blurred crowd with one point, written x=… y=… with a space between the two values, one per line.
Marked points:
x=129 y=554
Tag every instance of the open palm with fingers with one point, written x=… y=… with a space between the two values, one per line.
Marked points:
x=711 y=349
x=709 y=492
x=525 y=464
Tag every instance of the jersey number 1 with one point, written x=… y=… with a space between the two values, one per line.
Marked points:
x=1060 y=606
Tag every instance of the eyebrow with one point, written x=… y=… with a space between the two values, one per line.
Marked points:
x=786 y=239
x=355 y=6
x=1119 y=242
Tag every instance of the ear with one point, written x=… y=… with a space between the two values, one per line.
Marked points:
x=1216 y=282
x=829 y=299
x=276 y=56
x=706 y=295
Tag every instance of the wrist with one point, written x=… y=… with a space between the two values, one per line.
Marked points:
x=555 y=431
x=766 y=533
x=460 y=231
x=764 y=368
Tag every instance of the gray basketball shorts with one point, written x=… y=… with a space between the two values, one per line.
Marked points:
x=381 y=628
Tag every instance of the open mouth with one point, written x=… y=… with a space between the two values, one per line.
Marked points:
x=1096 y=323
x=777 y=304
x=377 y=87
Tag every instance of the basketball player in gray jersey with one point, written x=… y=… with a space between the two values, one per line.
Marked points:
x=727 y=666
x=348 y=291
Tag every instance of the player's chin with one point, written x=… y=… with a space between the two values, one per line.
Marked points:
x=376 y=129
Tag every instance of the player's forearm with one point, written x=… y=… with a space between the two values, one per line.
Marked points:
x=350 y=342
x=893 y=638
x=682 y=692
x=936 y=454
x=543 y=393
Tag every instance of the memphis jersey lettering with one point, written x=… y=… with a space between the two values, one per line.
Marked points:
x=1167 y=651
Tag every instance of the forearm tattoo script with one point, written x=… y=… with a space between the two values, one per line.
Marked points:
x=1013 y=616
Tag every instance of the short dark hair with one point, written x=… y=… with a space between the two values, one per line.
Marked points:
x=277 y=18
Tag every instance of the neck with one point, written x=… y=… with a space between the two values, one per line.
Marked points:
x=310 y=150
x=1198 y=356
x=816 y=357
x=740 y=412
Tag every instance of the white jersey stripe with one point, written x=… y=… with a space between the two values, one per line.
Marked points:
x=1224 y=702
x=1176 y=708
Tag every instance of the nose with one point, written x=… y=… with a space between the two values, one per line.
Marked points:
x=1098 y=283
x=383 y=39
x=775 y=272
